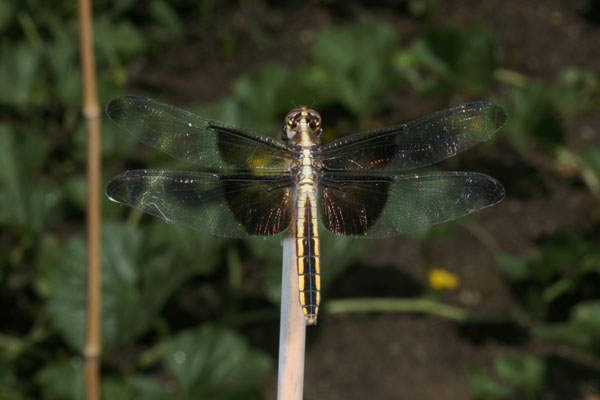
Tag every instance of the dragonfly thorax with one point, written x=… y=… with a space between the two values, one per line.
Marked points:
x=302 y=126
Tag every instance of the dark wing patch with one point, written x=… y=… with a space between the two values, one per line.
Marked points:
x=189 y=137
x=225 y=205
x=348 y=205
x=416 y=144
x=375 y=207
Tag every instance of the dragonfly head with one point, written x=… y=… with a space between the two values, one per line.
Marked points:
x=302 y=126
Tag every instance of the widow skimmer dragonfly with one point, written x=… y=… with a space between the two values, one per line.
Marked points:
x=255 y=185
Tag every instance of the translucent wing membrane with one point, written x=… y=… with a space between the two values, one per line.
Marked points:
x=383 y=206
x=223 y=205
x=359 y=192
x=416 y=144
x=188 y=137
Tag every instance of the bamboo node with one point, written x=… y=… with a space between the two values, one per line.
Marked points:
x=92 y=112
x=91 y=352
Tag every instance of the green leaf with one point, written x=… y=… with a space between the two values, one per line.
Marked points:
x=61 y=53
x=215 y=363
x=75 y=189
x=9 y=173
x=75 y=192
x=29 y=205
x=255 y=102
x=544 y=265
x=66 y=291
x=575 y=92
x=64 y=381
x=227 y=110
x=533 y=118
x=459 y=59
x=135 y=388
x=259 y=91
x=49 y=254
x=515 y=268
x=555 y=269
x=588 y=162
x=69 y=91
x=117 y=41
x=31 y=149
x=523 y=373
x=484 y=387
x=61 y=381
x=581 y=330
x=116 y=143
x=420 y=8
x=64 y=74
x=353 y=65
x=270 y=253
x=199 y=251
x=168 y=25
x=113 y=389
x=11 y=387
x=18 y=72
x=7 y=14
x=149 y=389
x=564 y=333
x=24 y=203
x=586 y=317
x=138 y=275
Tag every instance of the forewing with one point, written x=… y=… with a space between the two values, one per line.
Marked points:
x=223 y=205
x=188 y=137
x=375 y=207
x=416 y=144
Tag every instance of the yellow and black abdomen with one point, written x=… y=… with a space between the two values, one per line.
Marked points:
x=308 y=255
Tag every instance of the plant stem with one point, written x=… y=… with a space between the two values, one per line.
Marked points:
x=292 y=330
x=91 y=113
x=390 y=304
x=511 y=77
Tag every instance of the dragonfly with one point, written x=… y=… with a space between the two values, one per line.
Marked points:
x=254 y=185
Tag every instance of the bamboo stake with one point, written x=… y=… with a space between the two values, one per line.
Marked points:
x=292 y=329
x=91 y=113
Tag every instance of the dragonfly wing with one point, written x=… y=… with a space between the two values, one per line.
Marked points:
x=383 y=206
x=415 y=144
x=189 y=137
x=225 y=205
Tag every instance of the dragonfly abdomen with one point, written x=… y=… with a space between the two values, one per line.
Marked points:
x=308 y=254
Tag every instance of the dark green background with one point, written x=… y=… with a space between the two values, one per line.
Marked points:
x=190 y=316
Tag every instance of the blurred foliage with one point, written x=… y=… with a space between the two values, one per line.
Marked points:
x=533 y=118
x=352 y=66
x=138 y=275
x=581 y=329
x=210 y=363
x=446 y=60
x=559 y=266
x=588 y=164
x=537 y=110
x=515 y=376
x=355 y=70
x=561 y=271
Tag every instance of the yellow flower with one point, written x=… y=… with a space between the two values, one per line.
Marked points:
x=440 y=279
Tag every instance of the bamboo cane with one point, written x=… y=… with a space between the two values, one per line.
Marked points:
x=91 y=113
x=292 y=329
